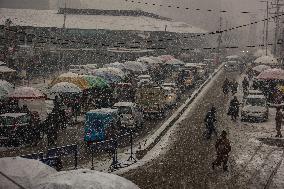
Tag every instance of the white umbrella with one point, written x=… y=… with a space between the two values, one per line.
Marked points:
x=65 y=87
x=175 y=62
x=135 y=66
x=24 y=172
x=5 y=84
x=26 y=93
x=266 y=60
x=115 y=65
x=260 y=68
x=112 y=70
x=84 y=179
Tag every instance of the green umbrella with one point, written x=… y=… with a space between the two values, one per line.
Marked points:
x=95 y=81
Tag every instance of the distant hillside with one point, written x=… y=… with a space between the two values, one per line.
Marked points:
x=110 y=12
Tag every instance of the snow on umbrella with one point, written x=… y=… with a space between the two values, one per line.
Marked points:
x=108 y=76
x=135 y=66
x=26 y=93
x=65 y=87
x=5 y=88
x=261 y=68
x=114 y=71
x=266 y=60
x=71 y=78
x=115 y=65
x=166 y=58
x=24 y=172
x=96 y=81
x=272 y=74
x=85 y=179
x=175 y=62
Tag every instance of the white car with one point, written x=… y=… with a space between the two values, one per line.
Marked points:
x=231 y=66
x=130 y=115
x=255 y=107
x=255 y=92
x=140 y=77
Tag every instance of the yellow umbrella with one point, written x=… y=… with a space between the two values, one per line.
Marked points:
x=71 y=78
x=281 y=88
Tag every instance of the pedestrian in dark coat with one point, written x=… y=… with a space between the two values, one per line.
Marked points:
x=226 y=86
x=223 y=148
x=234 y=108
x=278 y=120
x=210 y=120
x=245 y=85
x=234 y=87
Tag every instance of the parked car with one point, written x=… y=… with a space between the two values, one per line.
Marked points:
x=254 y=92
x=255 y=107
x=130 y=114
x=140 y=77
x=79 y=69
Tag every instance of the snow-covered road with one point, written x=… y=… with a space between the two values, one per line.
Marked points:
x=184 y=160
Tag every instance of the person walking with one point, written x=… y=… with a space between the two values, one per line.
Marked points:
x=234 y=108
x=278 y=120
x=223 y=148
x=245 y=85
x=234 y=87
x=226 y=86
x=210 y=120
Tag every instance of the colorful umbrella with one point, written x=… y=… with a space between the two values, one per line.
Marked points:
x=272 y=74
x=281 y=88
x=95 y=81
x=71 y=78
x=65 y=87
x=26 y=93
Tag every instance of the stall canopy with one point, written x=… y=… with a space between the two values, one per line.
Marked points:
x=71 y=78
x=84 y=179
x=26 y=93
x=107 y=75
x=65 y=87
x=261 y=52
x=24 y=172
x=271 y=74
x=261 y=68
x=96 y=81
x=266 y=60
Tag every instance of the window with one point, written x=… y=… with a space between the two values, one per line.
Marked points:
x=256 y=102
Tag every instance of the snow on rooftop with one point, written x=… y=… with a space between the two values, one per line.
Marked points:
x=50 y=18
x=103 y=111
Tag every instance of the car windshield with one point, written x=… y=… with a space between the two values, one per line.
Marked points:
x=124 y=110
x=256 y=102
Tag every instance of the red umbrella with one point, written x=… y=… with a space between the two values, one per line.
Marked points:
x=26 y=93
x=272 y=74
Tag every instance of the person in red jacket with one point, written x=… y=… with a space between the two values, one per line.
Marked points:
x=223 y=148
x=278 y=120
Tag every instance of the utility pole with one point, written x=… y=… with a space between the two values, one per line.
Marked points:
x=277 y=12
x=64 y=20
x=220 y=36
x=266 y=33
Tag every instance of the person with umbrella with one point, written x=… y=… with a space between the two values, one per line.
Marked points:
x=245 y=85
x=226 y=86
